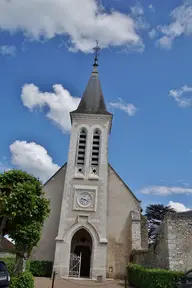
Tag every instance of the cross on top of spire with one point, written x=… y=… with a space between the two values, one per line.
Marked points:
x=93 y=101
x=96 y=50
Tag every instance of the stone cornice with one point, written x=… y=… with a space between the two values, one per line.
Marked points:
x=96 y=117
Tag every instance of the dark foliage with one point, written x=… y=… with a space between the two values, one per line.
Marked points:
x=155 y=215
x=41 y=268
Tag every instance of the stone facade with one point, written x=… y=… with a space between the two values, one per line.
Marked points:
x=173 y=246
x=121 y=204
x=54 y=192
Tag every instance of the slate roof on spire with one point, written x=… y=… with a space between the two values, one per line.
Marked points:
x=92 y=101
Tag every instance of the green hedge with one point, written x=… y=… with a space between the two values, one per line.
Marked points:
x=141 y=277
x=41 y=268
x=37 y=268
x=10 y=262
x=24 y=280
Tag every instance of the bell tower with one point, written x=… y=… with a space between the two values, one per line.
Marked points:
x=84 y=203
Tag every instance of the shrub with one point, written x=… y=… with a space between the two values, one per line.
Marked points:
x=10 y=263
x=23 y=280
x=41 y=268
x=141 y=277
x=37 y=268
x=13 y=282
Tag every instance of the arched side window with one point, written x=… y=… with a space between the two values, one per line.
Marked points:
x=95 y=148
x=81 y=150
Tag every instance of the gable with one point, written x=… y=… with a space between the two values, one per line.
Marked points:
x=122 y=183
x=56 y=175
x=121 y=202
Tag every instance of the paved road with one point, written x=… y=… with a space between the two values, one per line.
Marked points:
x=62 y=283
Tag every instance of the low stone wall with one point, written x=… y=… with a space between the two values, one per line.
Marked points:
x=140 y=257
x=173 y=246
x=180 y=241
x=157 y=254
x=144 y=233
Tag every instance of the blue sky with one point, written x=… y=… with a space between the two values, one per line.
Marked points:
x=145 y=70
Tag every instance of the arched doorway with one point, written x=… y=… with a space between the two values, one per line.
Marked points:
x=81 y=245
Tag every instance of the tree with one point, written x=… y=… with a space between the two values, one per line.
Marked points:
x=23 y=210
x=155 y=215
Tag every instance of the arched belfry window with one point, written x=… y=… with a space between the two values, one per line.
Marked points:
x=81 y=147
x=95 y=148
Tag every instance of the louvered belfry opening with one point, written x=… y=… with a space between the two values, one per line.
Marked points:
x=82 y=147
x=95 y=148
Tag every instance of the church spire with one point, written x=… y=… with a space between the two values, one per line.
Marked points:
x=96 y=49
x=93 y=101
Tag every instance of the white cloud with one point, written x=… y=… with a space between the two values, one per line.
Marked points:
x=33 y=158
x=129 y=108
x=178 y=207
x=82 y=21
x=7 y=49
x=182 y=96
x=60 y=103
x=137 y=13
x=165 y=42
x=137 y=9
x=165 y=191
x=180 y=24
x=142 y=24
x=152 y=33
x=151 y=8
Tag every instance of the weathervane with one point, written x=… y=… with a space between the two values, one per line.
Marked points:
x=96 y=50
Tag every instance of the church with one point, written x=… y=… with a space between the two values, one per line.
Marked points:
x=95 y=219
